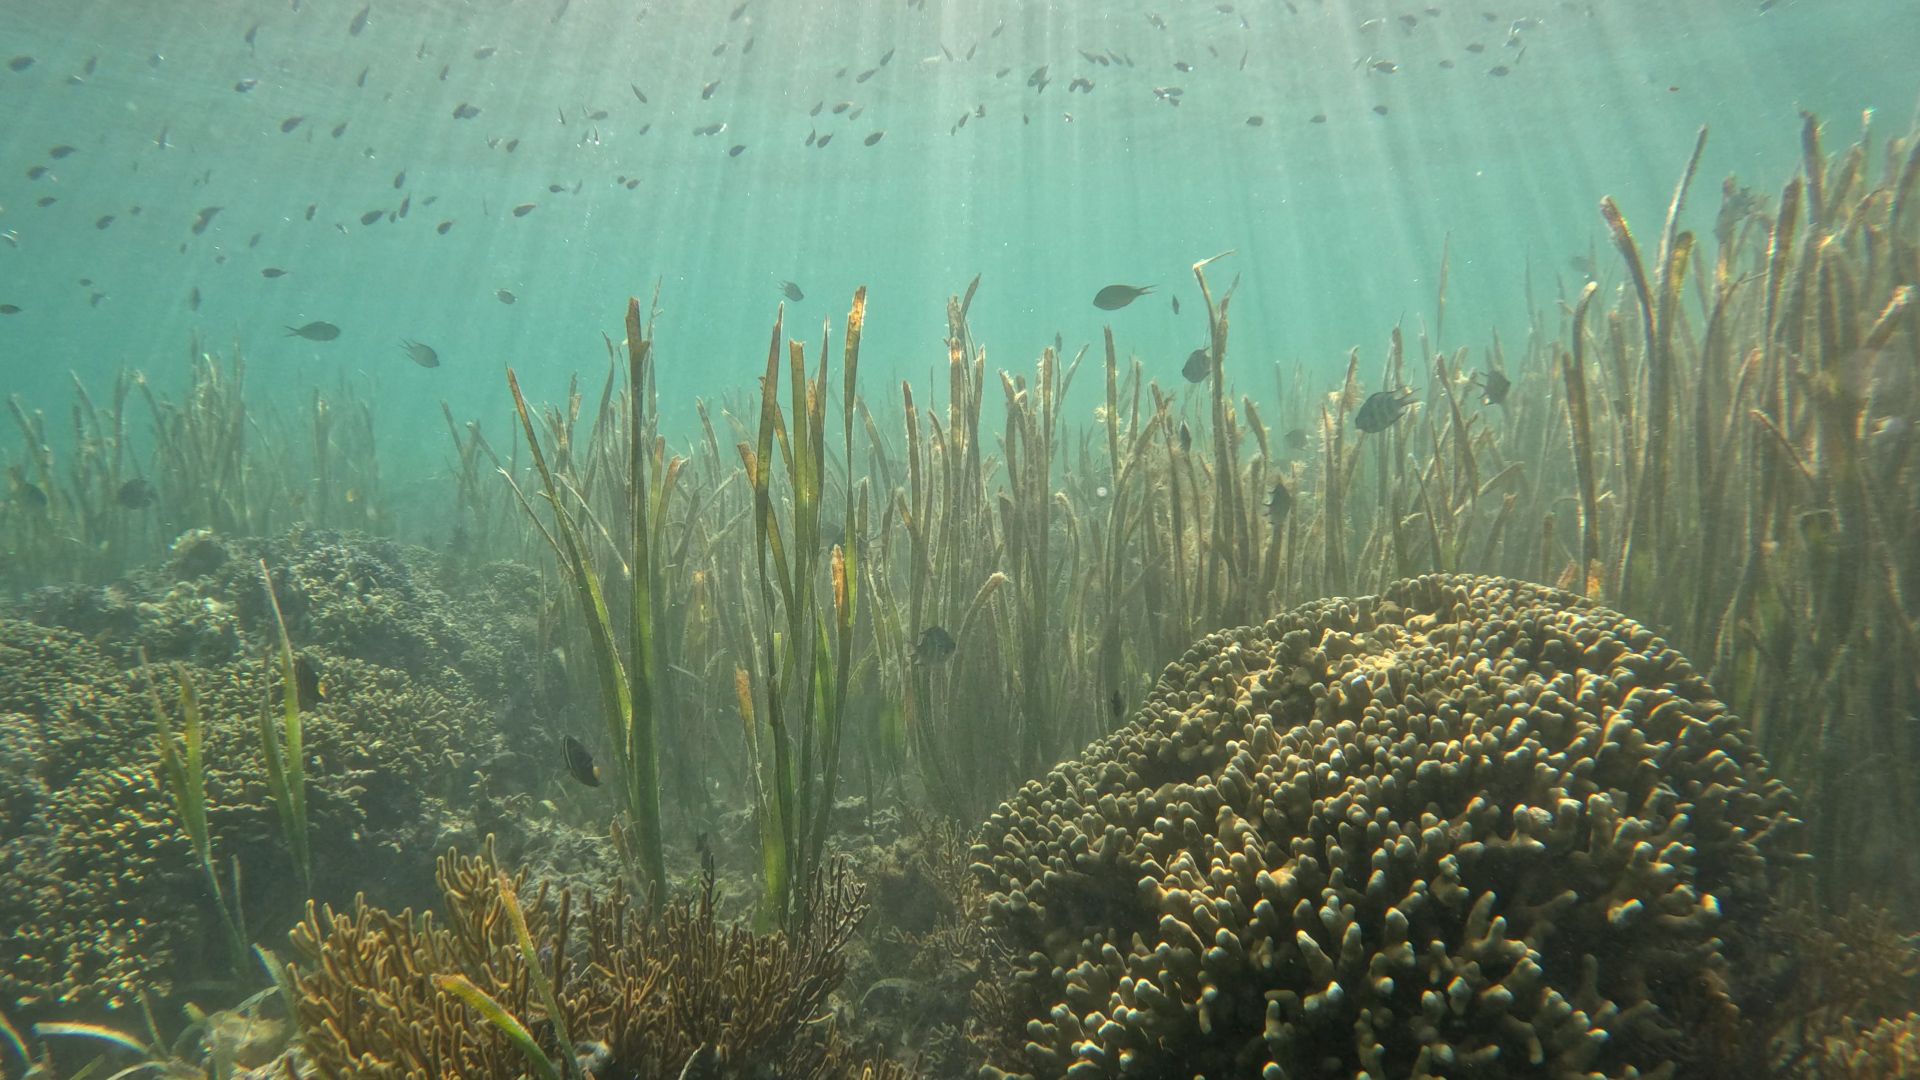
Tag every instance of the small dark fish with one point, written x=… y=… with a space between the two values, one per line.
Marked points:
x=523 y=209
x=484 y=52
x=1318 y=118
x=822 y=141
x=103 y=221
x=420 y=354
x=361 y=82
x=1493 y=387
x=272 y=272
x=934 y=646
x=204 y=218
x=372 y=216
x=1279 y=501
x=359 y=22
x=1256 y=121
x=1199 y=365
x=874 y=138
x=443 y=227
x=1382 y=409
x=193 y=299
x=464 y=111
x=20 y=63
x=135 y=494
x=505 y=296
x=706 y=92
x=865 y=75
x=1296 y=439
x=579 y=762
x=28 y=494
x=35 y=172
x=1176 y=304
x=315 y=331
x=9 y=309
x=244 y=85
x=310 y=681
x=637 y=93
x=339 y=129
x=1117 y=704
x=1499 y=71
x=291 y=122
x=61 y=151
x=1380 y=109
x=1186 y=437
x=736 y=149
x=792 y=292
x=1115 y=297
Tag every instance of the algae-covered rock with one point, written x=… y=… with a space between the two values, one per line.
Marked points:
x=1467 y=827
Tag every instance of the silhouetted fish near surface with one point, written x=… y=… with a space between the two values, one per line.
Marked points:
x=9 y=309
x=1382 y=409
x=359 y=22
x=934 y=646
x=1115 y=297
x=1199 y=365
x=272 y=272
x=420 y=354
x=792 y=292
x=580 y=764
x=504 y=296
x=1176 y=304
x=135 y=494
x=315 y=331
x=1493 y=387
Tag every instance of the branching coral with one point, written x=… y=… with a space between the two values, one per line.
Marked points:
x=643 y=993
x=1469 y=825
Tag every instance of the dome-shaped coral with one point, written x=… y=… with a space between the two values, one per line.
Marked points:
x=1470 y=826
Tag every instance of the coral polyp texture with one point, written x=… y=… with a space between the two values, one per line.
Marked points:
x=1470 y=826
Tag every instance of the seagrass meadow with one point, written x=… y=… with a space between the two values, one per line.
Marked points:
x=921 y=586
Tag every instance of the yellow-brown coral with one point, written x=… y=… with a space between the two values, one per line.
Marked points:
x=1468 y=826
x=642 y=993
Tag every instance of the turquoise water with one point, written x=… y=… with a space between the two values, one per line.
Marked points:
x=1338 y=226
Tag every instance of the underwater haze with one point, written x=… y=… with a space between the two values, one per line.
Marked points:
x=1382 y=131
x=938 y=539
